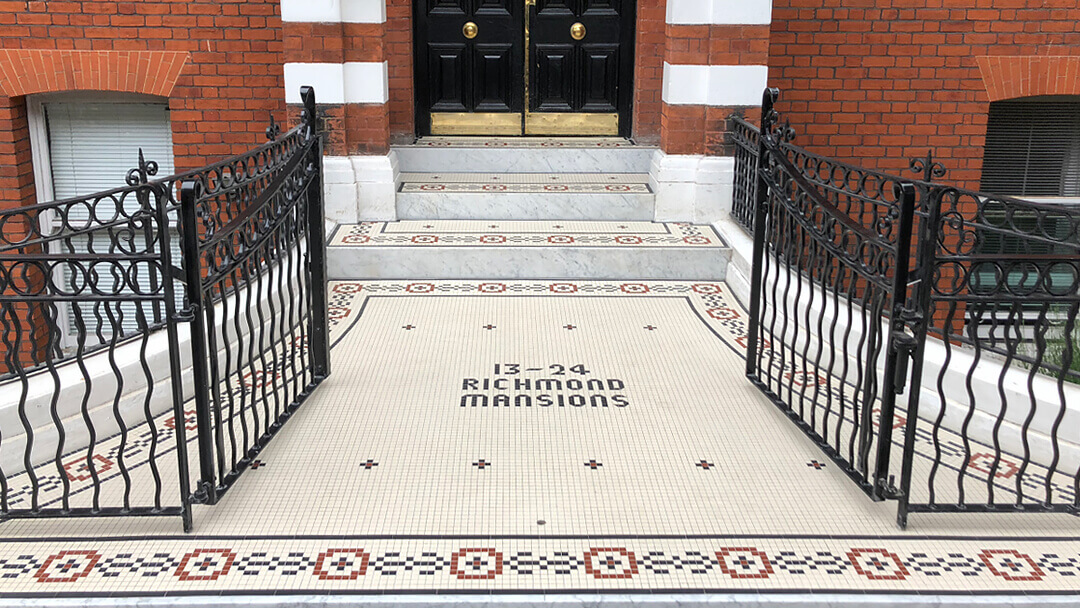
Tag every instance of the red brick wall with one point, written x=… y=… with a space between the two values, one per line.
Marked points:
x=222 y=83
x=648 y=70
x=350 y=128
x=877 y=82
x=698 y=129
x=226 y=91
x=399 y=59
x=17 y=189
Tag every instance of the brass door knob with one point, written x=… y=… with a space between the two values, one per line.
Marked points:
x=469 y=30
x=577 y=31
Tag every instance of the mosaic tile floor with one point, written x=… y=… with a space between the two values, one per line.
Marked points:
x=620 y=449
x=496 y=233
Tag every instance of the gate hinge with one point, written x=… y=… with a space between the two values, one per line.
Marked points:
x=910 y=316
x=187 y=313
x=888 y=490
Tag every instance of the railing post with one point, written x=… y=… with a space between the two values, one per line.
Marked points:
x=172 y=319
x=899 y=344
x=768 y=116
x=926 y=252
x=319 y=346
x=206 y=490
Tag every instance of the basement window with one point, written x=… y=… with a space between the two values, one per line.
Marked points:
x=1033 y=148
x=85 y=143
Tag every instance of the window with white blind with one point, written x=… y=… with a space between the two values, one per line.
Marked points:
x=91 y=145
x=1033 y=147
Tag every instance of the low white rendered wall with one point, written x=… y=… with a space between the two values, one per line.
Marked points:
x=129 y=359
x=984 y=378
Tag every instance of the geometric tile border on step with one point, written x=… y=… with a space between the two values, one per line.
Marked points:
x=523 y=142
x=358 y=565
x=449 y=233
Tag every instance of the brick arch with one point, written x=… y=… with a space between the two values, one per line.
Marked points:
x=1011 y=77
x=25 y=72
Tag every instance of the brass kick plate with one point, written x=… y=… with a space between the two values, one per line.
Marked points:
x=566 y=123
x=475 y=123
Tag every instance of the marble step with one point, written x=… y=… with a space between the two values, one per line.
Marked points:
x=455 y=249
x=524 y=155
x=525 y=196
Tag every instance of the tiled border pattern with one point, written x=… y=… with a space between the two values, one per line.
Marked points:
x=222 y=565
x=356 y=565
x=490 y=187
x=374 y=234
x=523 y=142
x=527 y=178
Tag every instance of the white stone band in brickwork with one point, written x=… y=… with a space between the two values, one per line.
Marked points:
x=714 y=85
x=719 y=12
x=333 y=11
x=354 y=82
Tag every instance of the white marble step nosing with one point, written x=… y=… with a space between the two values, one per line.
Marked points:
x=396 y=262
x=525 y=206
x=421 y=159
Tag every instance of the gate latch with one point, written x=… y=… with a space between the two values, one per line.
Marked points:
x=904 y=344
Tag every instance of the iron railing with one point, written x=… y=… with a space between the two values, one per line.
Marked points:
x=813 y=265
x=744 y=140
x=256 y=257
x=85 y=286
x=102 y=297
x=984 y=301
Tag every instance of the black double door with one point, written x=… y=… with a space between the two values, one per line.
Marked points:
x=532 y=67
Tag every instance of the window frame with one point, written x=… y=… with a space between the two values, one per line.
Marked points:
x=41 y=160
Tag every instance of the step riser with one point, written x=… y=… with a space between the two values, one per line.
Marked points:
x=524 y=160
x=527 y=263
x=547 y=206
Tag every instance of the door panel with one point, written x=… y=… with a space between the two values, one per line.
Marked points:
x=446 y=73
x=554 y=82
x=600 y=90
x=493 y=74
x=586 y=81
x=460 y=78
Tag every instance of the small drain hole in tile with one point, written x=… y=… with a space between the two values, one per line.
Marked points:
x=540 y=522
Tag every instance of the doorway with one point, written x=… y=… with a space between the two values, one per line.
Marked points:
x=524 y=67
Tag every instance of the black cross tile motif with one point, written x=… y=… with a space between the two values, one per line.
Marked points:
x=481 y=464
x=369 y=464
x=705 y=465
x=570 y=326
x=650 y=327
x=408 y=327
x=489 y=326
x=817 y=465
x=592 y=464
x=493 y=226
x=557 y=226
x=622 y=227
x=257 y=463
x=428 y=226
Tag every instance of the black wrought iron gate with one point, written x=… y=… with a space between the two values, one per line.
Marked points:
x=255 y=255
x=828 y=290
x=99 y=313
x=863 y=281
